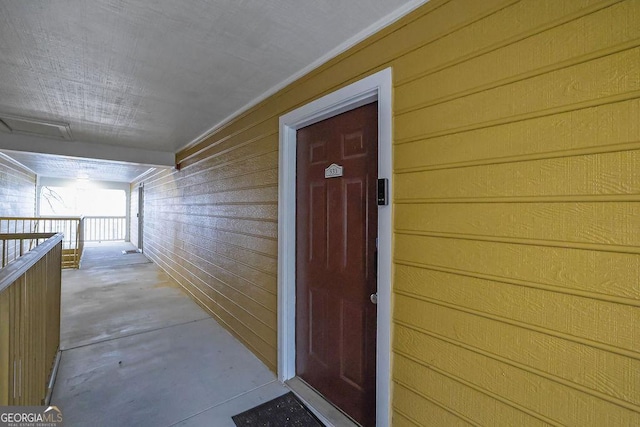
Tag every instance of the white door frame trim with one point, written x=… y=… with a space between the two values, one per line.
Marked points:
x=376 y=87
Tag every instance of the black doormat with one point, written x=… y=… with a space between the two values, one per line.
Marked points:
x=284 y=411
x=131 y=251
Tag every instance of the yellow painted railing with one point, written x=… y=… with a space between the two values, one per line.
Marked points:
x=30 y=323
x=71 y=227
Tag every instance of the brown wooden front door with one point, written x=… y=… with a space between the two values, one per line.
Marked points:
x=336 y=272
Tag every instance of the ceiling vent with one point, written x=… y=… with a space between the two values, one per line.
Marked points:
x=28 y=126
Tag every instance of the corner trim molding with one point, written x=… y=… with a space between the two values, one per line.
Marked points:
x=343 y=47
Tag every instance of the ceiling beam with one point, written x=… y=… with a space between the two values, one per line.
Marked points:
x=86 y=150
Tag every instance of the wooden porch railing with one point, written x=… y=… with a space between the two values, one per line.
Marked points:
x=30 y=323
x=105 y=228
x=71 y=227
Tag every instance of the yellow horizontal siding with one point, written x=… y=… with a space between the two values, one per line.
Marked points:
x=517 y=226
x=423 y=411
x=460 y=40
x=540 y=350
x=607 y=175
x=605 y=225
x=246 y=326
x=220 y=249
x=595 y=274
x=578 y=86
x=588 y=319
x=546 y=397
x=561 y=47
x=600 y=129
x=461 y=397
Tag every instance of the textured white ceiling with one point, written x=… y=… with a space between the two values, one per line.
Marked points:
x=76 y=168
x=156 y=74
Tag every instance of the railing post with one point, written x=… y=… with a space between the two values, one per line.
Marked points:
x=127 y=228
x=5 y=345
x=80 y=242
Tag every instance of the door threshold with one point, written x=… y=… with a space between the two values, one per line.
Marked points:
x=321 y=407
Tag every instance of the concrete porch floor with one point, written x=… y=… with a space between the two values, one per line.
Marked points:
x=138 y=352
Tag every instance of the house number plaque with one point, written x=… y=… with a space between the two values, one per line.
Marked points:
x=333 y=171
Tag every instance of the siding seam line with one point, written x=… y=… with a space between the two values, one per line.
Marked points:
x=227 y=163
x=234 y=232
x=240 y=218
x=612 y=99
x=234 y=189
x=537 y=72
x=389 y=59
x=203 y=156
x=521 y=366
x=426 y=9
x=600 y=247
x=406 y=417
x=158 y=172
x=436 y=403
x=232 y=302
x=177 y=180
x=231 y=190
x=524 y=283
x=192 y=175
x=225 y=284
x=263 y=203
x=222 y=308
x=528 y=326
x=193 y=245
x=231 y=244
x=212 y=313
x=558 y=22
x=151 y=178
x=477 y=388
x=521 y=158
x=569 y=199
x=266 y=255
x=223 y=269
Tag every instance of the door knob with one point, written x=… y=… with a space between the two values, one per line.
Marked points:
x=374 y=298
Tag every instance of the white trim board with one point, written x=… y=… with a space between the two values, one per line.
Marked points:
x=377 y=87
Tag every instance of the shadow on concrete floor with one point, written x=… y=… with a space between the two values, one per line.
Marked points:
x=138 y=351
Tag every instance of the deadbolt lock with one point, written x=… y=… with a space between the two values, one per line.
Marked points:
x=374 y=298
